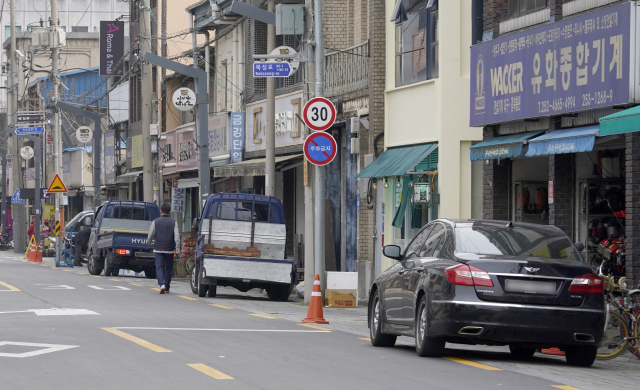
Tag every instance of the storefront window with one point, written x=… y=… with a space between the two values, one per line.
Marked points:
x=522 y=7
x=416 y=42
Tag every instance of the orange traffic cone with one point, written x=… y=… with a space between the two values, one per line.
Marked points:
x=31 y=251
x=314 y=315
x=38 y=258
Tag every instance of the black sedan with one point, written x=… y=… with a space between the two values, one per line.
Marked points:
x=493 y=283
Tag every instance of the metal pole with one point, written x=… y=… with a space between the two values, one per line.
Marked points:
x=57 y=138
x=147 y=92
x=38 y=191
x=3 y=152
x=319 y=170
x=309 y=264
x=270 y=154
x=18 y=210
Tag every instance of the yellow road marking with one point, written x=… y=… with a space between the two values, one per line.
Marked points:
x=566 y=387
x=189 y=298
x=53 y=267
x=222 y=307
x=260 y=315
x=67 y=270
x=95 y=276
x=136 y=340
x=80 y=273
x=365 y=338
x=473 y=364
x=209 y=371
x=10 y=287
x=136 y=284
x=115 y=280
x=157 y=289
x=314 y=327
x=44 y=265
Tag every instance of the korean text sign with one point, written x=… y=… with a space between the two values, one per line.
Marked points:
x=237 y=136
x=576 y=64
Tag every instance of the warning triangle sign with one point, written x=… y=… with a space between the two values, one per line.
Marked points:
x=57 y=185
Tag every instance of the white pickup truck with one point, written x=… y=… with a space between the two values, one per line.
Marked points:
x=241 y=244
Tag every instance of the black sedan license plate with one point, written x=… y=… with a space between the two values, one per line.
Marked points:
x=529 y=287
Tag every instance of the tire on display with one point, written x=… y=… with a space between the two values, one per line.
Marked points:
x=581 y=355
x=426 y=346
x=615 y=339
x=202 y=288
x=378 y=339
x=91 y=266
x=521 y=351
x=212 y=290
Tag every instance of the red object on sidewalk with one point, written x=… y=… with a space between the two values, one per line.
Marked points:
x=553 y=351
x=314 y=315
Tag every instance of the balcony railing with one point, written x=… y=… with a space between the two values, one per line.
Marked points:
x=346 y=71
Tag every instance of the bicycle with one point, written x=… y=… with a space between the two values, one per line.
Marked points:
x=623 y=318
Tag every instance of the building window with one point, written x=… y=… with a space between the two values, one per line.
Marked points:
x=7 y=31
x=416 y=41
x=522 y=7
x=225 y=86
x=80 y=29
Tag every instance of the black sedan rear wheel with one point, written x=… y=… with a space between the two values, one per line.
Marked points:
x=425 y=345
x=378 y=339
x=521 y=351
x=581 y=355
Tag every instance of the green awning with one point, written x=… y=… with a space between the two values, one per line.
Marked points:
x=626 y=121
x=400 y=160
x=504 y=146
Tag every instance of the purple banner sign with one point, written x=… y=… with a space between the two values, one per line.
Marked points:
x=576 y=64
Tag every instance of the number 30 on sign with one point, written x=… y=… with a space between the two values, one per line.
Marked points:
x=319 y=114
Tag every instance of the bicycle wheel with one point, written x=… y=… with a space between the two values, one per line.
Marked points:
x=615 y=338
x=634 y=345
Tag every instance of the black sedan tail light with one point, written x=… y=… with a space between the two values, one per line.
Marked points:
x=587 y=283
x=465 y=275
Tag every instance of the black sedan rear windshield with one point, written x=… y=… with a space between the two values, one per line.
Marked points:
x=498 y=239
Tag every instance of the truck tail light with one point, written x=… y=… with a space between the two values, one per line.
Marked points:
x=587 y=283
x=465 y=275
x=124 y=252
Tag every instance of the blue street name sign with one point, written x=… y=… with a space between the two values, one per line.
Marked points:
x=30 y=130
x=272 y=69
x=17 y=197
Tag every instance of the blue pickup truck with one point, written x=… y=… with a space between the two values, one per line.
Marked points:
x=241 y=244
x=119 y=238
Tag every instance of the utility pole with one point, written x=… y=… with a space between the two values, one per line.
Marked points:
x=309 y=267
x=17 y=210
x=318 y=231
x=148 y=181
x=57 y=137
x=270 y=154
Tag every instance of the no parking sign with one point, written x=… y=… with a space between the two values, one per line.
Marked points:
x=320 y=148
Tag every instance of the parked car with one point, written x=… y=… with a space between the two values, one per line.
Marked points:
x=490 y=282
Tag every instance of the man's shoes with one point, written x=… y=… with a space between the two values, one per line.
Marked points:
x=162 y=289
x=166 y=291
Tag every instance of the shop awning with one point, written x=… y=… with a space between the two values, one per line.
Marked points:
x=504 y=146
x=255 y=167
x=189 y=183
x=128 y=177
x=576 y=140
x=398 y=161
x=626 y=121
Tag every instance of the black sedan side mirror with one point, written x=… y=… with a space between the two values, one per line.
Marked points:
x=579 y=246
x=88 y=221
x=392 y=252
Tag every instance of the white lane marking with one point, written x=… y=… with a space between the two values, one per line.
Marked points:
x=227 y=330
x=63 y=312
x=110 y=288
x=55 y=287
x=45 y=348
x=12 y=312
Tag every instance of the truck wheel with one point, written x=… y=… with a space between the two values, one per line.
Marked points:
x=193 y=280
x=212 y=291
x=202 y=288
x=91 y=266
x=150 y=273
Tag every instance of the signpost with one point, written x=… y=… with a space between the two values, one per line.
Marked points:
x=84 y=134
x=319 y=114
x=30 y=130
x=26 y=152
x=184 y=99
x=17 y=197
x=30 y=117
x=282 y=62
x=320 y=148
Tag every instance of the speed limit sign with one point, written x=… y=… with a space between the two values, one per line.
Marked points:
x=319 y=114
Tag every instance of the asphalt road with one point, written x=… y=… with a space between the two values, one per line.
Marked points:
x=65 y=329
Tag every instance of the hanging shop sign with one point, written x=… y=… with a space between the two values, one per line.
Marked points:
x=84 y=134
x=26 y=152
x=184 y=99
x=111 y=48
x=237 y=137
x=109 y=158
x=580 y=63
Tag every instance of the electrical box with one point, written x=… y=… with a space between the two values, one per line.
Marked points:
x=39 y=37
x=355 y=145
x=290 y=19
x=355 y=124
x=421 y=193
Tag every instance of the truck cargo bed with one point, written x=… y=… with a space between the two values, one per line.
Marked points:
x=249 y=269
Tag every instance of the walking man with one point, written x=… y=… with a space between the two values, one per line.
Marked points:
x=166 y=241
